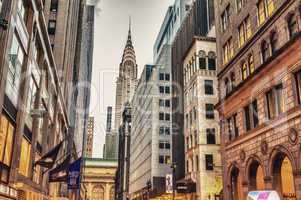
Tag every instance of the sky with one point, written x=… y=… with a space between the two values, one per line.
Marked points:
x=110 y=34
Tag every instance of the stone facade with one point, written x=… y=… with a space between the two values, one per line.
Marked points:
x=98 y=179
x=202 y=138
x=260 y=98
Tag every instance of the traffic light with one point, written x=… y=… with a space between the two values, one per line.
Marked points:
x=3 y=23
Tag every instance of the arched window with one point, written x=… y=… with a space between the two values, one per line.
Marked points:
x=211 y=61
x=264 y=51
x=274 y=41
x=251 y=64
x=256 y=176
x=244 y=70
x=202 y=60
x=98 y=193
x=232 y=78
x=292 y=25
x=236 y=185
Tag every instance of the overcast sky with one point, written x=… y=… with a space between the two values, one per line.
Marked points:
x=111 y=28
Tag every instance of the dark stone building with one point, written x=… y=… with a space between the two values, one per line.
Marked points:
x=258 y=44
x=122 y=174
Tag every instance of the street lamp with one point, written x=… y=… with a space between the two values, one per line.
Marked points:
x=173 y=167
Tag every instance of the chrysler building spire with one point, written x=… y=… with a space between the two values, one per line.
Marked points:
x=127 y=79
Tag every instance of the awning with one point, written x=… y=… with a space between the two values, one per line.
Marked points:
x=60 y=173
x=49 y=158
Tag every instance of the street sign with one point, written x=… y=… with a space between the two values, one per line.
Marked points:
x=169 y=183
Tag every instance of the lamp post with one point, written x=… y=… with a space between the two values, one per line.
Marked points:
x=173 y=167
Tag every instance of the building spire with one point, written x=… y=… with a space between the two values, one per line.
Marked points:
x=129 y=40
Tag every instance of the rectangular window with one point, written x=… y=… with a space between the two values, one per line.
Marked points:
x=161 y=89
x=167 y=117
x=247 y=118
x=167 y=77
x=244 y=31
x=225 y=18
x=51 y=27
x=167 y=131
x=265 y=9
x=209 y=111
x=209 y=162
x=161 y=145
x=167 y=103
x=202 y=62
x=212 y=64
x=16 y=58
x=161 y=116
x=161 y=102
x=161 y=130
x=25 y=157
x=6 y=141
x=167 y=89
x=54 y=5
x=161 y=159
x=232 y=128
x=161 y=77
x=275 y=103
x=228 y=51
x=298 y=85
x=211 y=136
x=209 y=87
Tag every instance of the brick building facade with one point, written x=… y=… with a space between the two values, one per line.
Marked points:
x=258 y=44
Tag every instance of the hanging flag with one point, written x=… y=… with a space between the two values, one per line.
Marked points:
x=49 y=158
x=60 y=173
x=74 y=175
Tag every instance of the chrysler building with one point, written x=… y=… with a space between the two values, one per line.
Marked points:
x=127 y=79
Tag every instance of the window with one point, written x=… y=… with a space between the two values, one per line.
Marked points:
x=265 y=9
x=228 y=51
x=167 y=77
x=209 y=111
x=274 y=41
x=244 y=31
x=167 y=103
x=195 y=138
x=202 y=60
x=161 y=130
x=209 y=162
x=265 y=54
x=161 y=116
x=161 y=145
x=25 y=157
x=244 y=71
x=209 y=87
x=298 y=84
x=167 y=131
x=210 y=133
x=232 y=127
x=275 y=103
x=161 y=77
x=211 y=61
x=167 y=117
x=161 y=102
x=161 y=159
x=6 y=147
x=251 y=116
x=54 y=5
x=16 y=57
x=251 y=64
x=292 y=25
x=161 y=89
x=227 y=86
x=51 y=27
x=225 y=18
x=167 y=89
x=197 y=162
x=164 y=159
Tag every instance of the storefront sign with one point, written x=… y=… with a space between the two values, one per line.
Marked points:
x=263 y=195
x=74 y=175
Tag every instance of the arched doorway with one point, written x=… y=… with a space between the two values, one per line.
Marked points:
x=256 y=176
x=236 y=184
x=98 y=193
x=283 y=178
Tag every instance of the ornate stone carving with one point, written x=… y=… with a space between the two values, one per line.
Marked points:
x=264 y=147
x=293 y=136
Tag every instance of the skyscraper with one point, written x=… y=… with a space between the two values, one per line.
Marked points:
x=109 y=119
x=90 y=132
x=127 y=79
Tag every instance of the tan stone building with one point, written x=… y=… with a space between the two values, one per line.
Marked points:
x=258 y=45
x=99 y=179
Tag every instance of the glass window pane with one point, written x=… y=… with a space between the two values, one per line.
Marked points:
x=9 y=145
